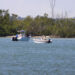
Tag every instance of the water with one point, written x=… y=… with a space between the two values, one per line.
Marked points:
x=28 y=58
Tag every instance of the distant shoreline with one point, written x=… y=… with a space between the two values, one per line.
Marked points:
x=51 y=36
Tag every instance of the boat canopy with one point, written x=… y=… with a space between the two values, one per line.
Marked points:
x=21 y=31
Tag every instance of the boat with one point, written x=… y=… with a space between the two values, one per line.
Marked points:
x=41 y=40
x=21 y=37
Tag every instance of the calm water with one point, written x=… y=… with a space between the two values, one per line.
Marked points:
x=28 y=58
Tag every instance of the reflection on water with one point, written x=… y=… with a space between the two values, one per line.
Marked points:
x=28 y=58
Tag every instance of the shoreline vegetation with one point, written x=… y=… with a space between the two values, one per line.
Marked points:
x=37 y=26
x=51 y=36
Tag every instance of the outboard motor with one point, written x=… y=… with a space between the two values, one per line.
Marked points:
x=14 y=39
x=49 y=41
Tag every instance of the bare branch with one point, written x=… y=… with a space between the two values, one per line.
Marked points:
x=52 y=5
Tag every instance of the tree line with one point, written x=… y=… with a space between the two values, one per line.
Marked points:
x=40 y=25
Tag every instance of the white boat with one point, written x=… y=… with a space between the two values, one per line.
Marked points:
x=42 y=40
x=21 y=36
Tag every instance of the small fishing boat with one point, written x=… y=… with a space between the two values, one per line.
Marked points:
x=41 y=40
x=21 y=36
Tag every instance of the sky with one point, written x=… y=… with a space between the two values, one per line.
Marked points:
x=33 y=8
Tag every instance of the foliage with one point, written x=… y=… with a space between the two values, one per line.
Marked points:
x=40 y=25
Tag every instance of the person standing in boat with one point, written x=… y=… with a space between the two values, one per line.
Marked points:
x=16 y=35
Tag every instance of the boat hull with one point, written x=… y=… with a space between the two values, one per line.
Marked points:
x=23 y=39
x=20 y=39
x=42 y=40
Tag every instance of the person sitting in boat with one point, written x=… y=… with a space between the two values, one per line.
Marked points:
x=27 y=35
x=44 y=37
